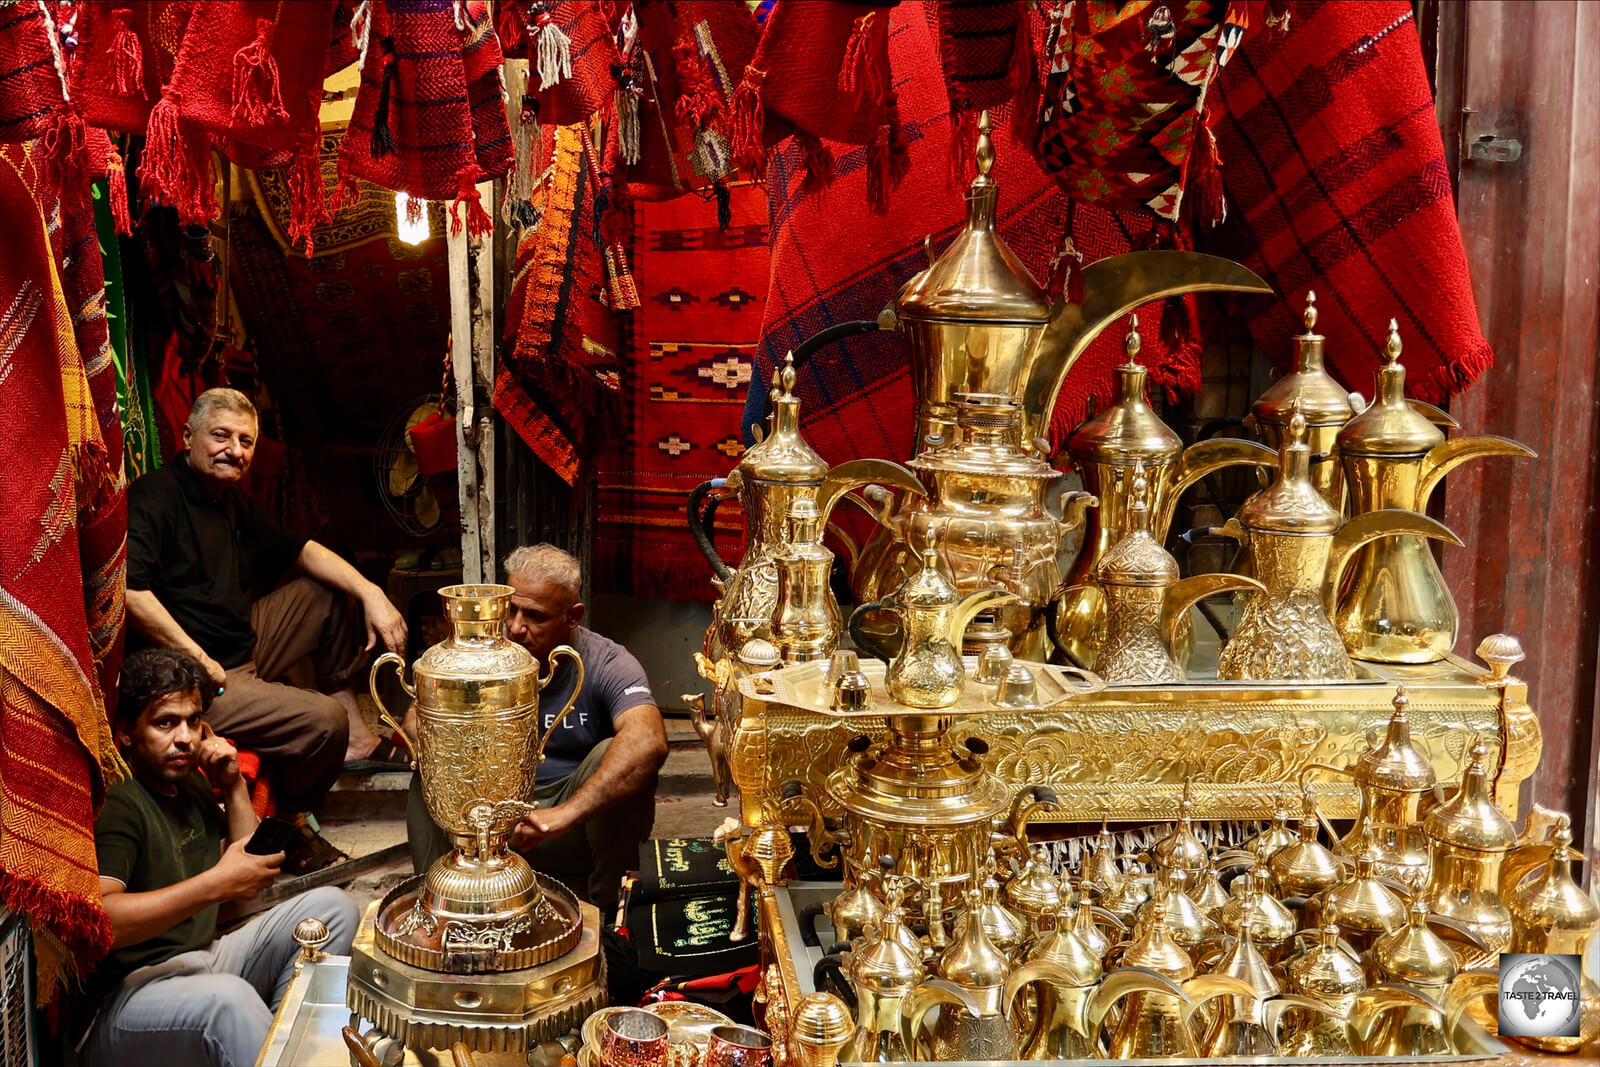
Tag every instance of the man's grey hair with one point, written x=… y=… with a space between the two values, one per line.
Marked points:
x=219 y=399
x=547 y=563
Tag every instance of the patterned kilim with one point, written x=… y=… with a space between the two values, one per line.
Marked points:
x=56 y=751
x=1336 y=175
x=831 y=264
x=683 y=386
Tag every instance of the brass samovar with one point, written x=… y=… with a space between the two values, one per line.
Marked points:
x=977 y=323
x=480 y=949
x=1395 y=607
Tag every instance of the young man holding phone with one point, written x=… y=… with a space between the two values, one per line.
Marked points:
x=171 y=991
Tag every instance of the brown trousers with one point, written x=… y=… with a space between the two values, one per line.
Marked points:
x=300 y=734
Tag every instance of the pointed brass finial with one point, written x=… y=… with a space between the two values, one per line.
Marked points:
x=1400 y=700
x=1391 y=347
x=1309 y=316
x=985 y=149
x=787 y=377
x=1297 y=428
x=1134 y=342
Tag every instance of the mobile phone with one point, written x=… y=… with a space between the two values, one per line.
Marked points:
x=272 y=835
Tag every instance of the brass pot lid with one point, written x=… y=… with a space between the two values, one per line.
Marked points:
x=1309 y=389
x=1396 y=765
x=882 y=965
x=1389 y=426
x=1245 y=962
x=1362 y=904
x=1186 y=920
x=783 y=455
x=1291 y=504
x=1126 y=431
x=1551 y=902
x=988 y=432
x=1469 y=820
x=974 y=960
x=1064 y=948
x=1249 y=904
x=1181 y=850
x=978 y=278
x=1153 y=946
x=1138 y=558
x=1414 y=954
x=951 y=792
x=1034 y=889
x=1306 y=867
x=1327 y=972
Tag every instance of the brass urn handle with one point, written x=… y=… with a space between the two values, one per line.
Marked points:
x=934 y=993
x=384 y=715
x=570 y=653
x=863 y=637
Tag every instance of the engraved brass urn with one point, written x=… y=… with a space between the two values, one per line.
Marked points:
x=1395 y=607
x=1299 y=545
x=480 y=907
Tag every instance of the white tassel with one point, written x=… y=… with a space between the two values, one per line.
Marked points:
x=628 y=125
x=555 y=54
x=361 y=30
x=463 y=18
x=55 y=48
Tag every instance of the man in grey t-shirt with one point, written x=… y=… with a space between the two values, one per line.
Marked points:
x=596 y=788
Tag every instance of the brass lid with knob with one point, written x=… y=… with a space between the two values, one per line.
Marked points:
x=1181 y=850
x=783 y=455
x=1414 y=954
x=974 y=959
x=1362 y=905
x=1308 y=390
x=1307 y=867
x=1153 y=945
x=1138 y=558
x=1327 y=972
x=1063 y=947
x=1396 y=765
x=1550 y=912
x=1127 y=430
x=1291 y=504
x=1389 y=426
x=1470 y=820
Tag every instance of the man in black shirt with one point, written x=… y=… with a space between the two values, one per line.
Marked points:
x=199 y=550
x=170 y=992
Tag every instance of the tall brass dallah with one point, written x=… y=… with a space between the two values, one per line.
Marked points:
x=977 y=322
x=1396 y=607
x=1299 y=544
x=1126 y=441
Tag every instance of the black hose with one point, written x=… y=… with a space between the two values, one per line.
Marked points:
x=697 y=527
x=839 y=332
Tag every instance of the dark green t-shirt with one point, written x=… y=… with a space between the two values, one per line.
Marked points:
x=148 y=841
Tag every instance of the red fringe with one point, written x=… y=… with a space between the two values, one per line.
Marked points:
x=878 y=153
x=175 y=168
x=748 y=152
x=1206 y=188
x=127 y=58
x=256 y=98
x=699 y=102
x=478 y=220
x=818 y=163
x=117 y=191
x=856 y=69
x=511 y=22
x=899 y=147
x=64 y=163
x=80 y=923
x=1026 y=90
x=308 y=198
x=346 y=191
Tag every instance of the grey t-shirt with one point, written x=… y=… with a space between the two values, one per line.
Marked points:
x=613 y=683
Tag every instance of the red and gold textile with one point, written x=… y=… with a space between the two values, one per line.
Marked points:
x=56 y=749
x=684 y=378
x=560 y=369
x=1337 y=181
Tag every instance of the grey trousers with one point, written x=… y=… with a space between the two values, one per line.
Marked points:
x=214 y=1006
x=591 y=858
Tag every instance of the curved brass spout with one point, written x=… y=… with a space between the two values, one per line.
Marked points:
x=1446 y=457
x=860 y=472
x=1204 y=457
x=1386 y=522
x=1113 y=287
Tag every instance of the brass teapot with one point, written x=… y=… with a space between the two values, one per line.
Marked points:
x=1362 y=906
x=1125 y=442
x=999 y=513
x=776 y=471
x=969 y=992
x=1145 y=604
x=1394 y=779
x=1058 y=1031
x=927 y=671
x=1468 y=839
x=1307 y=867
x=882 y=975
x=1396 y=607
x=807 y=623
x=1299 y=545
x=1329 y=975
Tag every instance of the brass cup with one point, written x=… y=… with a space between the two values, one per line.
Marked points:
x=633 y=1038
x=1016 y=688
x=738 y=1046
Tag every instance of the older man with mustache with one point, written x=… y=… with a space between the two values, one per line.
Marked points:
x=199 y=553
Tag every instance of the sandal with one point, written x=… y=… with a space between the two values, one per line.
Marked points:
x=311 y=852
x=388 y=756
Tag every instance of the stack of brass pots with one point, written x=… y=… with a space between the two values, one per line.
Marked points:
x=1396 y=607
x=1114 y=450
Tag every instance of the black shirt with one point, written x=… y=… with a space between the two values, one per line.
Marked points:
x=147 y=841
x=204 y=557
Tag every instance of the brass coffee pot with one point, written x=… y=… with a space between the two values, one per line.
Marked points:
x=999 y=513
x=1299 y=545
x=1276 y=837
x=1060 y=1030
x=1394 y=778
x=1414 y=955
x=1034 y=893
x=1238 y=1028
x=1272 y=926
x=1550 y=913
x=480 y=907
x=882 y=974
x=1362 y=906
x=927 y=671
x=1394 y=1021
x=1144 y=603
x=1310 y=392
x=1306 y=867
x=776 y=471
x=1469 y=838
x=1327 y=974
x=1112 y=450
x=1396 y=607
x=969 y=993
x=807 y=623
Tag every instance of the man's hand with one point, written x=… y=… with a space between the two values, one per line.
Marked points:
x=218 y=759
x=541 y=826
x=214 y=670
x=384 y=623
x=241 y=876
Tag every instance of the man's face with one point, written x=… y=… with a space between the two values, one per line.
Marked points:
x=163 y=743
x=543 y=616
x=221 y=448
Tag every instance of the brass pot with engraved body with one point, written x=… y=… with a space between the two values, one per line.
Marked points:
x=1146 y=605
x=1395 y=607
x=1127 y=441
x=1394 y=779
x=807 y=623
x=480 y=907
x=1299 y=545
x=999 y=515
